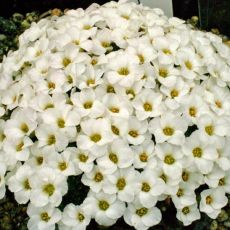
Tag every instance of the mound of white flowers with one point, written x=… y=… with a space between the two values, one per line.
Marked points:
x=137 y=103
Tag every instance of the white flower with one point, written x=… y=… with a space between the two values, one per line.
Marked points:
x=144 y=155
x=96 y=134
x=212 y=200
x=188 y=214
x=150 y=187
x=171 y=157
x=118 y=155
x=185 y=196
x=105 y=208
x=141 y=217
x=123 y=69
x=211 y=127
x=22 y=123
x=17 y=150
x=19 y=184
x=175 y=94
x=170 y=128
x=2 y=135
x=87 y=104
x=95 y=179
x=75 y=217
x=148 y=104
x=223 y=148
x=136 y=131
x=2 y=179
x=133 y=103
x=167 y=49
x=117 y=106
x=63 y=163
x=194 y=106
x=123 y=182
x=166 y=74
x=43 y=218
x=47 y=186
x=189 y=62
x=218 y=178
x=202 y=153
x=65 y=118
x=82 y=159
x=51 y=137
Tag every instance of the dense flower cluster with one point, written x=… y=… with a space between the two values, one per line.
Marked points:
x=137 y=103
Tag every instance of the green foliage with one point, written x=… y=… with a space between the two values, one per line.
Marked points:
x=11 y=28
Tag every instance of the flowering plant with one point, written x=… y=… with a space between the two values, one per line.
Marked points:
x=136 y=103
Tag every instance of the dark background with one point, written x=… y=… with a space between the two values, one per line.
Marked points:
x=214 y=13
x=182 y=8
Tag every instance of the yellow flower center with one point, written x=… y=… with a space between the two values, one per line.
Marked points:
x=164 y=177
x=218 y=104
x=61 y=122
x=94 y=61
x=80 y=217
x=51 y=85
x=163 y=72
x=185 y=176
x=185 y=210
x=2 y=137
x=168 y=131
x=62 y=166
x=69 y=79
x=88 y=105
x=209 y=130
x=51 y=139
x=49 y=189
x=24 y=128
x=142 y=211
x=131 y=92
x=103 y=205
x=121 y=183
x=147 y=107
x=95 y=137
x=167 y=51
x=39 y=160
x=105 y=44
x=98 y=177
x=45 y=216
x=169 y=159
x=192 y=111
x=114 y=109
x=113 y=157
x=48 y=106
x=124 y=71
x=115 y=130
x=141 y=58
x=174 y=93
x=110 y=89
x=19 y=146
x=87 y=27
x=221 y=182
x=90 y=82
x=145 y=187
x=180 y=192
x=82 y=157
x=133 y=133
x=143 y=157
x=197 y=152
x=66 y=61
x=208 y=200
x=188 y=65
x=26 y=185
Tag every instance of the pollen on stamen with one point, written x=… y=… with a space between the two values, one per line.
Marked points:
x=123 y=71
